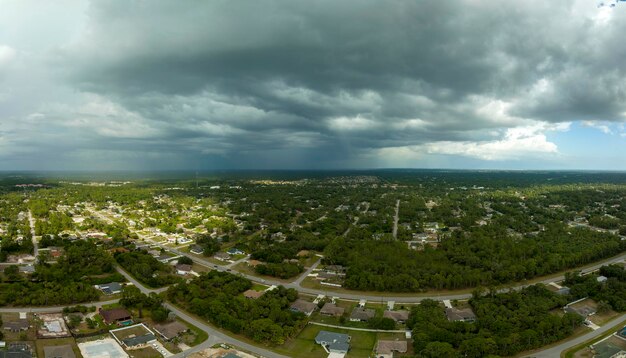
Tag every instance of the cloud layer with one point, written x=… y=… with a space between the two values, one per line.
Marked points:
x=316 y=84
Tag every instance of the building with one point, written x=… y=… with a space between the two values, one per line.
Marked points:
x=563 y=291
x=134 y=337
x=235 y=251
x=183 y=269
x=139 y=342
x=196 y=249
x=222 y=256
x=64 y=351
x=335 y=269
x=16 y=326
x=601 y=278
x=397 y=316
x=110 y=288
x=252 y=294
x=170 y=330
x=361 y=314
x=27 y=269
x=385 y=349
x=18 y=350
x=333 y=342
x=303 y=306
x=116 y=315
x=330 y=309
x=460 y=315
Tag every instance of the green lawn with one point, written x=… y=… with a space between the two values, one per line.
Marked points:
x=304 y=345
x=41 y=343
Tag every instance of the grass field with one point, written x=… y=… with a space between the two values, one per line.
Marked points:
x=361 y=344
x=41 y=343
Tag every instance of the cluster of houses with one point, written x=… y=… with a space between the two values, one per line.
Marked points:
x=338 y=344
x=359 y=314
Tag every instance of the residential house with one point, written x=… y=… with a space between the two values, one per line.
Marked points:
x=170 y=330
x=234 y=251
x=27 y=269
x=196 y=249
x=18 y=350
x=110 y=288
x=460 y=315
x=333 y=342
x=563 y=291
x=584 y=311
x=183 y=269
x=139 y=342
x=385 y=349
x=397 y=316
x=303 y=306
x=115 y=315
x=16 y=326
x=222 y=256
x=330 y=309
x=335 y=269
x=361 y=314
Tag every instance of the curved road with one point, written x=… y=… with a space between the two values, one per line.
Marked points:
x=215 y=336
x=556 y=350
x=398 y=299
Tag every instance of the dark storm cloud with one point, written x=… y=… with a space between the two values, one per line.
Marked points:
x=331 y=80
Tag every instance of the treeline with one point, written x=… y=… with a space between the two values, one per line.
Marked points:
x=68 y=281
x=282 y=270
x=217 y=296
x=146 y=268
x=50 y=293
x=507 y=323
x=209 y=245
x=484 y=256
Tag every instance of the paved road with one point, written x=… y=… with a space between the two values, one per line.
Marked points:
x=31 y=221
x=232 y=264
x=307 y=272
x=395 y=219
x=139 y=285
x=215 y=335
x=556 y=350
x=357 y=296
x=387 y=297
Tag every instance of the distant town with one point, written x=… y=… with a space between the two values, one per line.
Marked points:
x=390 y=264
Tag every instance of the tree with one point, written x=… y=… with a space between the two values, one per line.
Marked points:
x=73 y=321
x=439 y=350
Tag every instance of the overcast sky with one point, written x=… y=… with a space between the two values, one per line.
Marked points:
x=312 y=84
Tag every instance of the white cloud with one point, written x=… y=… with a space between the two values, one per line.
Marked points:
x=357 y=123
x=517 y=143
x=602 y=127
x=7 y=54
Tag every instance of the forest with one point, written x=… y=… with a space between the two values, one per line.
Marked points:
x=145 y=268
x=485 y=255
x=507 y=323
x=217 y=297
x=67 y=281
